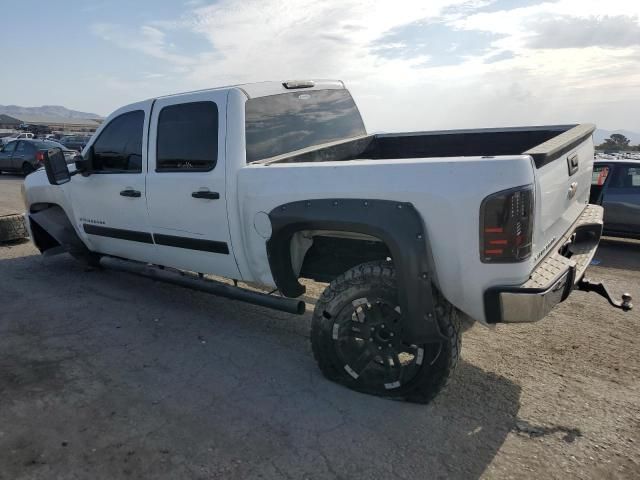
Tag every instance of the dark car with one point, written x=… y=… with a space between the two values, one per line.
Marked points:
x=75 y=142
x=616 y=186
x=25 y=156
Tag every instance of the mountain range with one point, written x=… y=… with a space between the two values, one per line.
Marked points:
x=48 y=111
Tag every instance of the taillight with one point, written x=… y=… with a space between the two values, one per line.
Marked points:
x=40 y=157
x=506 y=226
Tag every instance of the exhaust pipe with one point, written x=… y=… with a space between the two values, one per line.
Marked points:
x=283 y=304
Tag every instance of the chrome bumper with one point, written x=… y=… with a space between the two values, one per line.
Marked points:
x=553 y=279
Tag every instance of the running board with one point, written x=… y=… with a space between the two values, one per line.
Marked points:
x=289 y=305
x=587 y=285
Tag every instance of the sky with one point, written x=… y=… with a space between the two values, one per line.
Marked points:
x=410 y=64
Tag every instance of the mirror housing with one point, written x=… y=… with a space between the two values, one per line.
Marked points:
x=56 y=167
x=84 y=163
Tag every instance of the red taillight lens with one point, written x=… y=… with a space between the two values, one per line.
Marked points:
x=506 y=226
x=40 y=157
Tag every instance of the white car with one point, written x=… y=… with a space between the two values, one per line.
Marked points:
x=270 y=182
x=19 y=136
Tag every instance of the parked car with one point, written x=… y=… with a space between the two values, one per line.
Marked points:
x=270 y=182
x=25 y=156
x=18 y=136
x=75 y=142
x=616 y=186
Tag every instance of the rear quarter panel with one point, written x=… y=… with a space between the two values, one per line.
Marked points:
x=446 y=191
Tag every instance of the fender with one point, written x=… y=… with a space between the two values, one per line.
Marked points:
x=398 y=224
x=53 y=221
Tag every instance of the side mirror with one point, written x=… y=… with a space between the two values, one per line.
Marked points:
x=84 y=164
x=56 y=167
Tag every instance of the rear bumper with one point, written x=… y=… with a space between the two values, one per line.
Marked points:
x=553 y=279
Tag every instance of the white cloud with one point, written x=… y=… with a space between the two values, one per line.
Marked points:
x=146 y=39
x=254 y=40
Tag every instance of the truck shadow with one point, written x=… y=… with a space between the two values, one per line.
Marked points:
x=151 y=380
x=618 y=253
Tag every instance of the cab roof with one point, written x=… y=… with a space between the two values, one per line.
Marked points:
x=264 y=89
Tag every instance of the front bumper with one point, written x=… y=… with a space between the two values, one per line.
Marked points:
x=553 y=279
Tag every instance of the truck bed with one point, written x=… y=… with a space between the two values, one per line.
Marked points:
x=544 y=144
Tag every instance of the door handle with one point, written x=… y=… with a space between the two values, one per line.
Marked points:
x=206 y=194
x=130 y=193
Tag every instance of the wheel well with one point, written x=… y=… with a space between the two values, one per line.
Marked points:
x=397 y=224
x=322 y=256
x=52 y=228
x=41 y=238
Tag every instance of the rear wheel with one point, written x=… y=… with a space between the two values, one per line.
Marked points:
x=27 y=168
x=357 y=341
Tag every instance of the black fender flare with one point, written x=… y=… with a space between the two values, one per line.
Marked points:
x=54 y=221
x=398 y=224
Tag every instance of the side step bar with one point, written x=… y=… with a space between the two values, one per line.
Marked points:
x=289 y=305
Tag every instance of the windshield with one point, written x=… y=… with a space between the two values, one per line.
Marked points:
x=287 y=122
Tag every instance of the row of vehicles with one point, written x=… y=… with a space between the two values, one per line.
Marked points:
x=27 y=154
x=73 y=142
x=24 y=152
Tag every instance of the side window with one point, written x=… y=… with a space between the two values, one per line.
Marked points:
x=10 y=147
x=187 y=138
x=627 y=176
x=599 y=175
x=25 y=147
x=119 y=146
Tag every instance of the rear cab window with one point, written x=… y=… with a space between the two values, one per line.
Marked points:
x=626 y=176
x=283 y=123
x=187 y=137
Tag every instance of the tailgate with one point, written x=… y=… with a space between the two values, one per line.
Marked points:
x=563 y=180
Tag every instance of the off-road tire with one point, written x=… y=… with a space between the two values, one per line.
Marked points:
x=12 y=228
x=371 y=280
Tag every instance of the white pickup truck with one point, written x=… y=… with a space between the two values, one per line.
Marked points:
x=417 y=233
x=17 y=136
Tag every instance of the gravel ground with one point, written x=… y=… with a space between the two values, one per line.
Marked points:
x=104 y=375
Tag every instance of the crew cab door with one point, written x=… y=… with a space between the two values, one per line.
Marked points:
x=110 y=203
x=186 y=191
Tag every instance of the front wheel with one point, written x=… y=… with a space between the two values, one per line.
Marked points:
x=356 y=338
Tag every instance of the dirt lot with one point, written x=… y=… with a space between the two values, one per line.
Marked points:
x=105 y=375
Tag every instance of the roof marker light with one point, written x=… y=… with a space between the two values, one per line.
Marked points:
x=293 y=84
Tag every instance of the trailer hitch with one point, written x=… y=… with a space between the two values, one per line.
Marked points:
x=588 y=285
